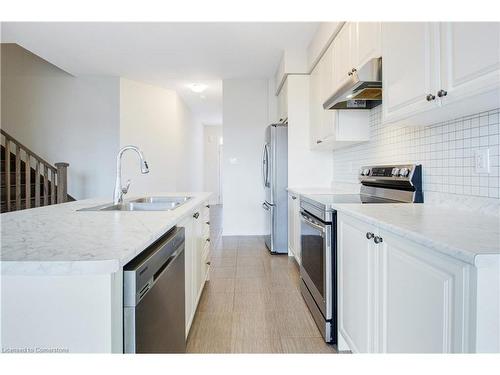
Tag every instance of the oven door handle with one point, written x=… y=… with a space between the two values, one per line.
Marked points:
x=306 y=219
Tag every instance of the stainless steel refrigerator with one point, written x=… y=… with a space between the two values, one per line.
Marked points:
x=275 y=180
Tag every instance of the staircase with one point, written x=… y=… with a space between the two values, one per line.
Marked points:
x=27 y=180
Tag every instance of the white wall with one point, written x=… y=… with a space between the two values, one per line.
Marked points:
x=190 y=146
x=161 y=125
x=211 y=166
x=245 y=117
x=62 y=118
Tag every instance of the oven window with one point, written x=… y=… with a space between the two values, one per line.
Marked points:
x=313 y=255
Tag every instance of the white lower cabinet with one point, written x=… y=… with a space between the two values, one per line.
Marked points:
x=356 y=258
x=294 y=226
x=398 y=296
x=196 y=258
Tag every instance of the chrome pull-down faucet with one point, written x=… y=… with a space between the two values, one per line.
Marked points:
x=120 y=190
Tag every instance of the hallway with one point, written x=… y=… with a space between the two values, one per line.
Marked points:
x=252 y=303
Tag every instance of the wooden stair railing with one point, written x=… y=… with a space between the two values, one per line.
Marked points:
x=27 y=180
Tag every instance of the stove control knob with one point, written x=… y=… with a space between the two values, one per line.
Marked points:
x=395 y=172
x=404 y=172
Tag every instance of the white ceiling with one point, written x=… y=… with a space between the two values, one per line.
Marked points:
x=171 y=55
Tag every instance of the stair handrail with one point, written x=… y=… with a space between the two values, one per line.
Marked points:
x=59 y=189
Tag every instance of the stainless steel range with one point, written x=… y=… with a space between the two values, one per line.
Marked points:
x=318 y=269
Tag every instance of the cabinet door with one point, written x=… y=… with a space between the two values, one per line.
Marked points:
x=422 y=299
x=188 y=271
x=356 y=283
x=342 y=56
x=470 y=58
x=410 y=68
x=315 y=106
x=283 y=102
x=291 y=224
x=366 y=42
x=326 y=90
x=198 y=270
x=296 y=230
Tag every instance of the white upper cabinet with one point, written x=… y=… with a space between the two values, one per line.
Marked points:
x=470 y=59
x=439 y=71
x=366 y=42
x=332 y=129
x=410 y=68
x=342 y=55
x=283 y=102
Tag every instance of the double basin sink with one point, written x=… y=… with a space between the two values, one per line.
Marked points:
x=143 y=204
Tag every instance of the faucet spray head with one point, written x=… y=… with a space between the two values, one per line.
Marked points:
x=144 y=167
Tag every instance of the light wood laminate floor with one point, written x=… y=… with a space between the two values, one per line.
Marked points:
x=252 y=303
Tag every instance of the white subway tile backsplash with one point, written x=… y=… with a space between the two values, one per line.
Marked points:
x=445 y=150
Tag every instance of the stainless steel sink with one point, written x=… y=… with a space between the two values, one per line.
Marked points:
x=162 y=200
x=143 y=204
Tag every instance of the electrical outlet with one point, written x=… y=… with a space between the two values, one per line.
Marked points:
x=482 y=161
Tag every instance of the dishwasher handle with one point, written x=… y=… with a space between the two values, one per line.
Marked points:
x=167 y=263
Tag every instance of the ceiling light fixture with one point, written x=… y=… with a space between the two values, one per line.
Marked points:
x=197 y=87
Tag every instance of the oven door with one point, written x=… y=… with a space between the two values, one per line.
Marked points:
x=316 y=268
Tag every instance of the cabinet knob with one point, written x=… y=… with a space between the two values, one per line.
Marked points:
x=349 y=74
x=369 y=235
x=430 y=97
x=378 y=239
x=208 y=239
x=207 y=206
x=294 y=197
x=207 y=222
x=208 y=263
x=196 y=215
x=353 y=70
x=319 y=141
x=442 y=93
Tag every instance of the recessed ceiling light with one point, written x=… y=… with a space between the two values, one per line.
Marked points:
x=197 y=87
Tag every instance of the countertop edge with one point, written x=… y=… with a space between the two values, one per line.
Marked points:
x=464 y=255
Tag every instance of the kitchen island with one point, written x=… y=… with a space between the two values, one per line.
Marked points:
x=62 y=279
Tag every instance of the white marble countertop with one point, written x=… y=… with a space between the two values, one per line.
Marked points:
x=58 y=240
x=458 y=233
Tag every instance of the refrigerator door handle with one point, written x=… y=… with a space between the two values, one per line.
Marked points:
x=265 y=165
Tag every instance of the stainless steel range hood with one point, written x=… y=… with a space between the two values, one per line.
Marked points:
x=363 y=90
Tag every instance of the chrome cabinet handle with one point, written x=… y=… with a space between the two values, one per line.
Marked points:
x=319 y=141
x=442 y=93
x=369 y=235
x=196 y=215
x=378 y=239
x=353 y=70
x=207 y=206
x=430 y=97
x=349 y=74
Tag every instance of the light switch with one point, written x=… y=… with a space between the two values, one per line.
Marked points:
x=482 y=161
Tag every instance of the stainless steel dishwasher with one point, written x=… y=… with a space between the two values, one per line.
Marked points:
x=153 y=298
